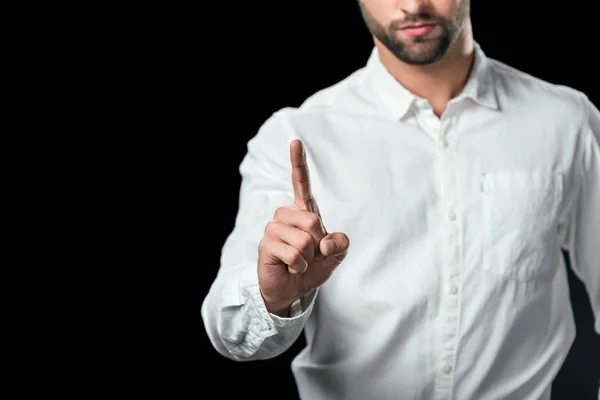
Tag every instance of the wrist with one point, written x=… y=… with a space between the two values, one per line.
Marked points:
x=281 y=309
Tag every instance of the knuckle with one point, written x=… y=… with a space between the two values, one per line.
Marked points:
x=306 y=242
x=277 y=213
x=270 y=227
x=295 y=256
x=262 y=245
x=313 y=221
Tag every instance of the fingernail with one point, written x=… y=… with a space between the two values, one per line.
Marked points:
x=330 y=246
x=296 y=270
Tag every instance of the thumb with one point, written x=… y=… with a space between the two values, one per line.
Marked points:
x=334 y=247
x=335 y=244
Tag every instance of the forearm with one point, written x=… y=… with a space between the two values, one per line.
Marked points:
x=238 y=323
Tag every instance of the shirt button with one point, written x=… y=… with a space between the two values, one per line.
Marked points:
x=446 y=368
x=451 y=215
x=453 y=289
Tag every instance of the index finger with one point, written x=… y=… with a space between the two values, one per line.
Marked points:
x=303 y=196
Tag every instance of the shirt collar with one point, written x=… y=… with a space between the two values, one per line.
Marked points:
x=479 y=87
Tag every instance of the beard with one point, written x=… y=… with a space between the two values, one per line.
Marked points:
x=419 y=50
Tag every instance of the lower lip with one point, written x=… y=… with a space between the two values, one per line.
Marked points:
x=418 y=31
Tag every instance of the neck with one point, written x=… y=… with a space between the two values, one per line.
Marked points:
x=439 y=82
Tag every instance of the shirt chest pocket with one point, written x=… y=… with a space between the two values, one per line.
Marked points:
x=520 y=211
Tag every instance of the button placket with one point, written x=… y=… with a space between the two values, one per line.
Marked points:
x=450 y=303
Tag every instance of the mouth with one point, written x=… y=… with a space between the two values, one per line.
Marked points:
x=418 y=29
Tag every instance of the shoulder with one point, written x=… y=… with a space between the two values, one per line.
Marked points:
x=548 y=97
x=339 y=95
x=350 y=95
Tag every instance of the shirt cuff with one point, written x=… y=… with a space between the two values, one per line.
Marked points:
x=298 y=309
x=272 y=324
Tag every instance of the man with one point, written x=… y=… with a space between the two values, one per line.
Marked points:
x=422 y=253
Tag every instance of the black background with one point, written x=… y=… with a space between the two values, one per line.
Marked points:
x=259 y=57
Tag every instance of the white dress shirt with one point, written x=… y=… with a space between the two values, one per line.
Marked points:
x=454 y=286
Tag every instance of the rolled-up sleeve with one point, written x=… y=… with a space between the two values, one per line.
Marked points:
x=234 y=314
x=582 y=231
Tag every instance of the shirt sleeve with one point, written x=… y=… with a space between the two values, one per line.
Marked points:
x=233 y=311
x=582 y=230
